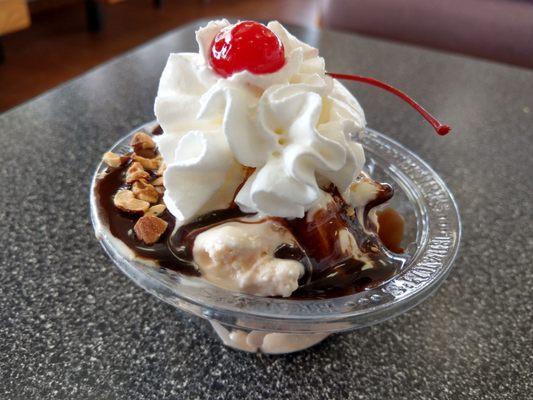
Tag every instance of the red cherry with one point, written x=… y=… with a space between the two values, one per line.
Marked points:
x=439 y=128
x=247 y=46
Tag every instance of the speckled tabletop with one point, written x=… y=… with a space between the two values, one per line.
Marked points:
x=72 y=326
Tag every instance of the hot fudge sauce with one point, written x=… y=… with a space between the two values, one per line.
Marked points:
x=330 y=270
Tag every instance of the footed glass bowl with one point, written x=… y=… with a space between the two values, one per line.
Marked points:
x=270 y=325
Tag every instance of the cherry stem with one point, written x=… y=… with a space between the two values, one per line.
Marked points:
x=439 y=128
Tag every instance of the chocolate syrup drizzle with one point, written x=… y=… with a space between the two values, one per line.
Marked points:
x=335 y=272
x=330 y=272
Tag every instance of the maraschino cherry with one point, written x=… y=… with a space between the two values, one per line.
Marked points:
x=253 y=47
x=248 y=46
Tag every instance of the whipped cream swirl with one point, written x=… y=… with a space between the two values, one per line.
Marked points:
x=292 y=127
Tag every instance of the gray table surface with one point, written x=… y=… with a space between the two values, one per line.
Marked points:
x=72 y=326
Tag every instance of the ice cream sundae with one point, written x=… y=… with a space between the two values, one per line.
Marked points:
x=254 y=180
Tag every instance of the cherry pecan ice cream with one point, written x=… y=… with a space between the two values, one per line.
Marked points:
x=253 y=180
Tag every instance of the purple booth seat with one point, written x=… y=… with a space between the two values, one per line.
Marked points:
x=500 y=30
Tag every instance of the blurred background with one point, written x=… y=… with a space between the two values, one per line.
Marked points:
x=46 y=42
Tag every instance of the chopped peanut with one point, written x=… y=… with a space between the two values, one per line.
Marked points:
x=125 y=200
x=158 y=181
x=114 y=160
x=160 y=190
x=148 y=163
x=156 y=210
x=161 y=169
x=136 y=172
x=145 y=191
x=141 y=141
x=149 y=228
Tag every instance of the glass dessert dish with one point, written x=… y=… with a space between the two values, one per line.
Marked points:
x=280 y=325
x=250 y=201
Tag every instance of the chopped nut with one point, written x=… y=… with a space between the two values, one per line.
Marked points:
x=145 y=191
x=142 y=141
x=149 y=228
x=146 y=153
x=160 y=190
x=148 y=163
x=136 y=172
x=350 y=212
x=161 y=169
x=158 y=181
x=125 y=200
x=156 y=210
x=114 y=160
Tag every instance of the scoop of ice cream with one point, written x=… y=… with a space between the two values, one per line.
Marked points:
x=240 y=256
x=292 y=126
